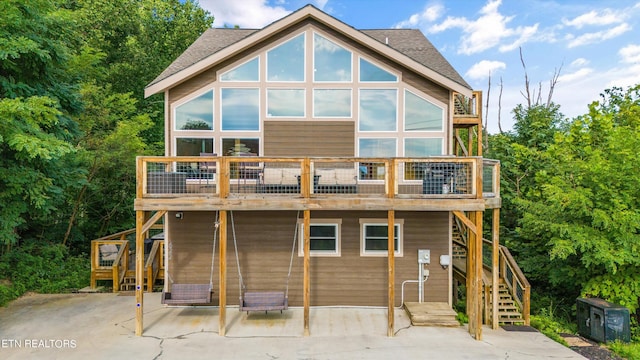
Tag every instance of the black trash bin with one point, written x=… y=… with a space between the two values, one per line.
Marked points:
x=602 y=321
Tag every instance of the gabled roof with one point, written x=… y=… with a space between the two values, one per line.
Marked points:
x=406 y=46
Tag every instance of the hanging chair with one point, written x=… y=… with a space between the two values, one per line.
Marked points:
x=263 y=300
x=193 y=294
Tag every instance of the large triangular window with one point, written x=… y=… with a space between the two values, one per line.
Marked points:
x=331 y=62
x=245 y=72
x=286 y=61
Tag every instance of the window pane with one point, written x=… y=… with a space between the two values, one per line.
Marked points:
x=240 y=147
x=376 y=237
x=240 y=109
x=245 y=72
x=285 y=102
x=326 y=231
x=378 y=110
x=377 y=147
x=197 y=114
x=331 y=62
x=373 y=73
x=193 y=146
x=421 y=115
x=286 y=62
x=331 y=103
x=323 y=237
x=422 y=147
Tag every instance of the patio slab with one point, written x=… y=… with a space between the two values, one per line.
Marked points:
x=102 y=326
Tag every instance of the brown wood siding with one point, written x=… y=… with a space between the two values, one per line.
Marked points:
x=309 y=138
x=264 y=248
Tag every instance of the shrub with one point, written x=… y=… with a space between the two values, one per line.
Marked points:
x=42 y=268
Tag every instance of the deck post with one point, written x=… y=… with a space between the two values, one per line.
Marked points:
x=495 y=265
x=478 y=275
x=140 y=215
x=470 y=281
x=306 y=281
x=391 y=269
x=222 y=318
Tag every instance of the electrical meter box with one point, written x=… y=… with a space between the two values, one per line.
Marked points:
x=424 y=256
x=602 y=321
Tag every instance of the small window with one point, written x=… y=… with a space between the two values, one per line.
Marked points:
x=246 y=72
x=196 y=114
x=373 y=73
x=332 y=103
x=285 y=102
x=240 y=109
x=378 y=110
x=374 y=237
x=324 y=238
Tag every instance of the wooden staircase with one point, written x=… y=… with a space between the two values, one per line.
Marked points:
x=513 y=288
x=508 y=311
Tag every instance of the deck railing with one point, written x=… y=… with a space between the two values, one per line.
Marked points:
x=465 y=106
x=517 y=283
x=154 y=266
x=109 y=260
x=413 y=178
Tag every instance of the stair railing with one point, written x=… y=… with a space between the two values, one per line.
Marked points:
x=154 y=263
x=516 y=282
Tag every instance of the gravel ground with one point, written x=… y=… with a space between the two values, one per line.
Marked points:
x=589 y=349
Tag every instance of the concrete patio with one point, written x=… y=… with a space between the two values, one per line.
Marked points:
x=101 y=326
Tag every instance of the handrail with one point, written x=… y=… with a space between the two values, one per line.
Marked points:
x=516 y=281
x=120 y=265
x=153 y=264
x=447 y=177
x=510 y=272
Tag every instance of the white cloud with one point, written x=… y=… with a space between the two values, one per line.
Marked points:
x=254 y=14
x=579 y=62
x=577 y=75
x=630 y=54
x=604 y=17
x=484 y=68
x=487 y=31
x=430 y=14
x=595 y=37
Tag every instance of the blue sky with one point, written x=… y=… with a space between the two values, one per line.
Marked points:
x=590 y=45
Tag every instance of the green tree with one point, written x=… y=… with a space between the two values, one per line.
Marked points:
x=37 y=98
x=585 y=209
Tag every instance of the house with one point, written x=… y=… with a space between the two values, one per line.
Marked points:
x=333 y=165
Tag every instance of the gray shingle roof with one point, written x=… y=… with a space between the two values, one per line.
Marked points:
x=413 y=43
x=410 y=42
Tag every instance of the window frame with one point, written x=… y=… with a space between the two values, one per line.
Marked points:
x=404 y=115
x=313 y=60
x=398 y=252
x=313 y=103
x=304 y=60
x=304 y=103
x=396 y=124
x=259 y=102
x=374 y=63
x=186 y=100
x=337 y=223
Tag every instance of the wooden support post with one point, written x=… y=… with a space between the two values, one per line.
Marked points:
x=391 y=270
x=222 y=274
x=478 y=95
x=495 y=265
x=471 y=283
x=140 y=216
x=478 y=272
x=306 y=282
